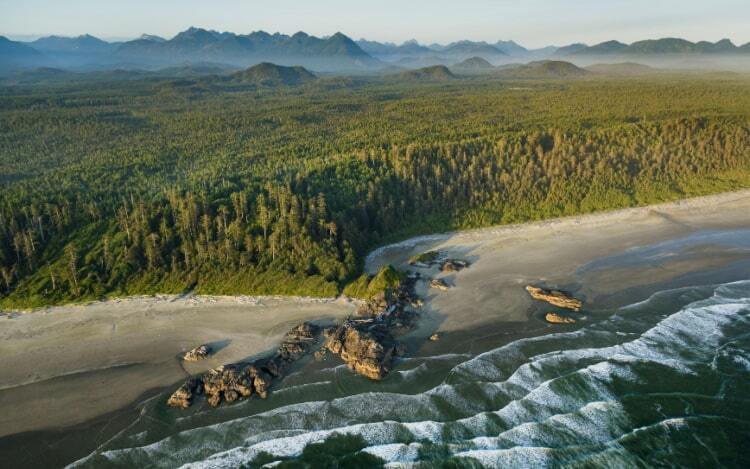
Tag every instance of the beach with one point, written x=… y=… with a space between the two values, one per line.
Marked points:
x=66 y=365
x=595 y=256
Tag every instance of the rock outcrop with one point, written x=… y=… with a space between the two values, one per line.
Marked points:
x=555 y=298
x=236 y=381
x=554 y=318
x=366 y=350
x=198 y=353
x=453 y=265
x=438 y=258
x=366 y=343
x=183 y=397
x=439 y=284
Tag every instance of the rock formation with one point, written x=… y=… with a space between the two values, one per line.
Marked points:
x=366 y=350
x=438 y=258
x=453 y=265
x=366 y=343
x=198 y=353
x=554 y=318
x=439 y=284
x=241 y=380
x=555 y=298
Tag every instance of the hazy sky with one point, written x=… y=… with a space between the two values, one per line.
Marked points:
x=530 y=22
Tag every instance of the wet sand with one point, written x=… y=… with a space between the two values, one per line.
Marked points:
x=594 y=256
x=66 y=365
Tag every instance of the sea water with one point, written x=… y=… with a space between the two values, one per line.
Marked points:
x=662 y=382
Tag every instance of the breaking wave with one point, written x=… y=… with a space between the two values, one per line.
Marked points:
x=665 y=380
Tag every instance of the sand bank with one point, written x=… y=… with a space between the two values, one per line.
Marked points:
x=67 y=364
x=596 y=256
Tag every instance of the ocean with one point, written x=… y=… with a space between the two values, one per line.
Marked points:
x=661 y=382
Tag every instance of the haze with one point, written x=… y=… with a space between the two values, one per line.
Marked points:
x=534 y=23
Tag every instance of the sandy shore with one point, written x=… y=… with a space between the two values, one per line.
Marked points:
x=596 y=256
x=65 y=365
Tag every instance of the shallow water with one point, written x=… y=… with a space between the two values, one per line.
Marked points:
x=665 y=381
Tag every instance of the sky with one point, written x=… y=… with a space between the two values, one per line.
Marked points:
x=533 y=23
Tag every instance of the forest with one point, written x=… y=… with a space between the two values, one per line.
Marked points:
x=123 y=187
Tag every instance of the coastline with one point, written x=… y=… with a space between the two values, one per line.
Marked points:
x=68 y=366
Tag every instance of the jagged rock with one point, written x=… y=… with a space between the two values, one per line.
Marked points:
x=183 y=396
x=240 y=380
x=377 y=305
x=231 y=396
x=214 y=400
x=453 y=265
x=435 y=337
x=198 y=353
x=554 y=318
x=261 y=381
x=555 y=297
x=365 y=352
x=439 y=284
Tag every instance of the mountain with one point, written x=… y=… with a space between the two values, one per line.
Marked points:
x=473 y=65
x=609 y=47
x=466 y=49
x=336 y=52
x=435 y=73
x=389 y=49
x=664 y=46
x=73 y=51
x=511 y=48
x=82 y=44
x=151 y=37
x=268 y=74
x=15 y=54
x=544 y=69
x=571 y=49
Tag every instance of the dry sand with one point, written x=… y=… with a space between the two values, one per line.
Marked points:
x=65 y=365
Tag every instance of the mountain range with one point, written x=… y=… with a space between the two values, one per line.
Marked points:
x=665 y=46
x=334 y=53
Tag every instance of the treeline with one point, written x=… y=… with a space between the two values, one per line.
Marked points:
x=304 y=226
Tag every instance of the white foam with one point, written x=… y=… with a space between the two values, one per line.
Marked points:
x=538 y=406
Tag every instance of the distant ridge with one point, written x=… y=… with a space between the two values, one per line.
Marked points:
x=268 y=74
x=337 y=52
x=16 y=54
x=473 y=64
x=664 y=46
x=544 y=69
x=80 y=44
x=434 y=73
x=466 y=49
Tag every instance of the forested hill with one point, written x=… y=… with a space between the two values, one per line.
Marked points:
x=130 y=187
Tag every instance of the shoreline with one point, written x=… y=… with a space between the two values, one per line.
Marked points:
x=187 y=299
x=591 y=219
x=66 y=371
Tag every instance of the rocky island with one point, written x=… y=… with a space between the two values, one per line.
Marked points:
x=555 y=297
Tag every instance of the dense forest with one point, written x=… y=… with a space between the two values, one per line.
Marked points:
x=146 y=186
